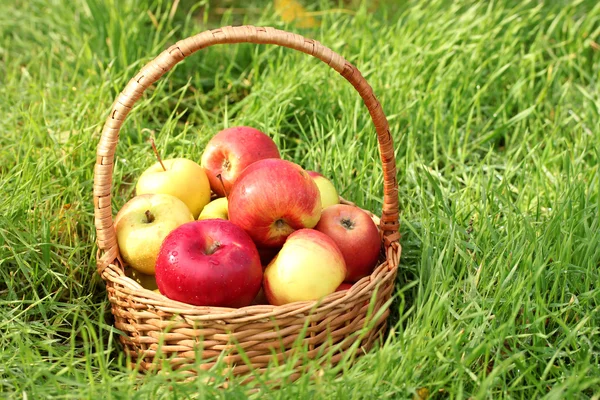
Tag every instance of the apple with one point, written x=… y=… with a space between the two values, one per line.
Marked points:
x=329 y=195
x=215 y=209
x=260 y=298
x=145 y=280
x=211 y=262
x=271 y=199
x=182 y=178
x=356 y=235
x=308 y=267
x=230 y=151
x=142 y=224
x=267 y=254
x=343 y=286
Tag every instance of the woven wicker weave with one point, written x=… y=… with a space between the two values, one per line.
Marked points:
x=152 y=323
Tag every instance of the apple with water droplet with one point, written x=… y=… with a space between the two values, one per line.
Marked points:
x=210 y=262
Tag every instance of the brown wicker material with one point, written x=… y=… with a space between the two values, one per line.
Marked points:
x=151 y=323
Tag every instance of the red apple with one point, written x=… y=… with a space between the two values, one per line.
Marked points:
x=356 y=235
x=230 y=151
x=267 y=254
x=343 y=286
x=308 y=267
x=211 y=262
x=260 y=298
x=271 y=199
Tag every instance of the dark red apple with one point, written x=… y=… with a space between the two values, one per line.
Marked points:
x=356 y=235
x=267 y=254
x=273 y=198
x=210 y=262
x=230 y=151
x=343 y=286
x=260 y=299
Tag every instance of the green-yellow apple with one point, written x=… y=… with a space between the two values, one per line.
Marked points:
x=143 y=223
x=271 y=199
x=308 y=267
x=209 y=263
x=183 y=179
x=215 y=209
x=329 y=195
x=145 y=280
x=230 y=151
x=356 y=236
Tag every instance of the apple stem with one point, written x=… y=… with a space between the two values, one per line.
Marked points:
x=280 y=223
x=149 y=216
x=212 y=248
x=156 y=154
x=223 y=186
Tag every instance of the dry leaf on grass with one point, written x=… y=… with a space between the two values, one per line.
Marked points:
x=293 y=11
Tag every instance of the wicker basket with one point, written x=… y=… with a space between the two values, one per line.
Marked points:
x=249 y=338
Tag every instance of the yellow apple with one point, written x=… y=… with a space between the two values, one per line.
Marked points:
x=215 y=209
x=308 y=267
x=329 y=195
x=145 y=280
x=143 y=223
x=183 y=179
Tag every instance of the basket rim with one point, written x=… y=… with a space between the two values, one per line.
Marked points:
x=110 y=266
x=364 y=285
x=258 y=311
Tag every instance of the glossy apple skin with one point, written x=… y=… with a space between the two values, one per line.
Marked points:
x=183 y=179
x=209 y=263
x=139 y=240
x=328 y=192
x=308 y=267
x=230 y=151
x=356 y=236
x=271 y=199
x=215 y=209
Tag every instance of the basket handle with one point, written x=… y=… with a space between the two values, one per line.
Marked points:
x=151 y=72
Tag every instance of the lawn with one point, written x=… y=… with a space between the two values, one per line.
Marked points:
x=494 y=109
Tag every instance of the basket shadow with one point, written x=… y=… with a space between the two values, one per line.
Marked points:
x=407 y=279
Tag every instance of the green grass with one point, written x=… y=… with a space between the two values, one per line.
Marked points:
x=494 y=109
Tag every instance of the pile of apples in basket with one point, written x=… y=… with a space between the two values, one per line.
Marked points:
x=270 y=225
